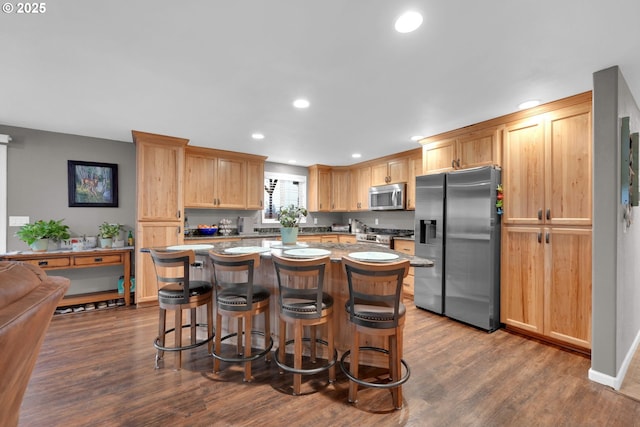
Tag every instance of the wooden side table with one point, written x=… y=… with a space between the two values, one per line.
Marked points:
x=69 y=260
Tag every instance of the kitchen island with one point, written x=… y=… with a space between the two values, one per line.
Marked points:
x=335 y=282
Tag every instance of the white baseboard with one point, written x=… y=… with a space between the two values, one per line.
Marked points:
x=616 y=382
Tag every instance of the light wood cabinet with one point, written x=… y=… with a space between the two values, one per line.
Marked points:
x=415 y=169
x=152 y=235
x=218 y=179
x=347 y=238
x=468 y=150
x=546 y=282
x=319 y=191
x=159 y=188
x=360 y=181
x=547 y=168
x=340 y=189
x=329 y=238
x=255 y=184
x=391 y=171
x=159 y=163
x=407 y=247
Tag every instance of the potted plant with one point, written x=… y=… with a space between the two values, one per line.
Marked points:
x=289 y=218
x=107 y=233
x=38 y=234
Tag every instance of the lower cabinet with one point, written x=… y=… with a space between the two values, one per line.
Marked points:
x=546 y=283
x=408 y=247
x=152 y=235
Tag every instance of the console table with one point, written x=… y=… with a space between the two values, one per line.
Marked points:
x=69 y=260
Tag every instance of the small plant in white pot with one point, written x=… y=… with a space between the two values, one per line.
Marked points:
x=289 y=218
x=107 y=233
x=38 y=234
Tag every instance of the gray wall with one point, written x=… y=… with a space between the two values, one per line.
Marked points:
x=37 y=188
x=616 y=249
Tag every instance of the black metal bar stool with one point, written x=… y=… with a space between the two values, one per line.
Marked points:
x=238 y=297
x=177 y=292
x=302 y=302
x=375 y=308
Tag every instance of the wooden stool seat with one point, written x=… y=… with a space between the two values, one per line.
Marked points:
x=375 y=308
x=303 y=303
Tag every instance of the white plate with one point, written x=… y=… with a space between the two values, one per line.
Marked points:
x=373 y=256
x=293 y=246
x=307 y=252
x=190 y=247
x=246 y=249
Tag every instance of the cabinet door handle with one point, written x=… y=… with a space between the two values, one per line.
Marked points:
x=540 y=214
x=179 y=214
x=539 y=237
x=546 y=237
x=458 y=162
x=548 y=214
x=453 y=163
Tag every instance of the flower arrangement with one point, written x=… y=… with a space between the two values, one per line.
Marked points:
x=289 y=216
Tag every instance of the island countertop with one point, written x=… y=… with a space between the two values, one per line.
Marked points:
x=267 y=246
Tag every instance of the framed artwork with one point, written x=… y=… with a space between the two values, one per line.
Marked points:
x=92 y=184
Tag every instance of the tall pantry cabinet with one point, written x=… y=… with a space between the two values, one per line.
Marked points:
x=547 y=238
x=159 y=195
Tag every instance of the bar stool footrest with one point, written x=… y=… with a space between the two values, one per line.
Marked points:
x=394 y=384
x=330 y=363
x=254 y=356
x=157 y=345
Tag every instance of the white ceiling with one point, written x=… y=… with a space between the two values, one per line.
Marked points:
x=216 y=71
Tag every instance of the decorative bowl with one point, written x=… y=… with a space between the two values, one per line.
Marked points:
x=207 y=231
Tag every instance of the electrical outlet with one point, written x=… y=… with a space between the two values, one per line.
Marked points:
x=18 y=221
x=376 y=221
x=315 y=221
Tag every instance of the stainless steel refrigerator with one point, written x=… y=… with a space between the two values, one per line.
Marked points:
x=458 y=227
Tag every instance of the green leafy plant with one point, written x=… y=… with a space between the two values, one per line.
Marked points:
x=52 y=229
x=109 y=231
x=289 y=216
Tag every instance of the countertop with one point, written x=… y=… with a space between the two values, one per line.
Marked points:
x=337 y=250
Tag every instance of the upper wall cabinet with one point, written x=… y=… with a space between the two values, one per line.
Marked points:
x=415 y=169
x=218 y=179
x=340 y=181
x=466 y=150
x=159 y=170
x=391 y=171
x=319 y=193
x=359 y=183
x=547 y=168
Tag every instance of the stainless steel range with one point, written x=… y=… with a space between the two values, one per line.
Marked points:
x=381 y=239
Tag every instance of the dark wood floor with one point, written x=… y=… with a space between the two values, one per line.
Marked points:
x=97 y=368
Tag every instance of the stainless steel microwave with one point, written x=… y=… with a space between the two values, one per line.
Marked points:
x=387 y=197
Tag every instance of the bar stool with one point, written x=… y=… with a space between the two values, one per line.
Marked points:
x=238 y=297
x=302 y=302
x=375 y=308
x=177 y=292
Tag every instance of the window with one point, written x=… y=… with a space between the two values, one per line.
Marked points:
x=282 y=190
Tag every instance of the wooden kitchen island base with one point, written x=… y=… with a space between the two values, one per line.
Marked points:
x=335 y=284
x=70 y=260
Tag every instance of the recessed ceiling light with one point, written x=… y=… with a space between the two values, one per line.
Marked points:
x=356 y=155
x=408 y=22
x=301 y=103
x=257 y=136
x=416 y=137
x=292 y=161
x=529 y=104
